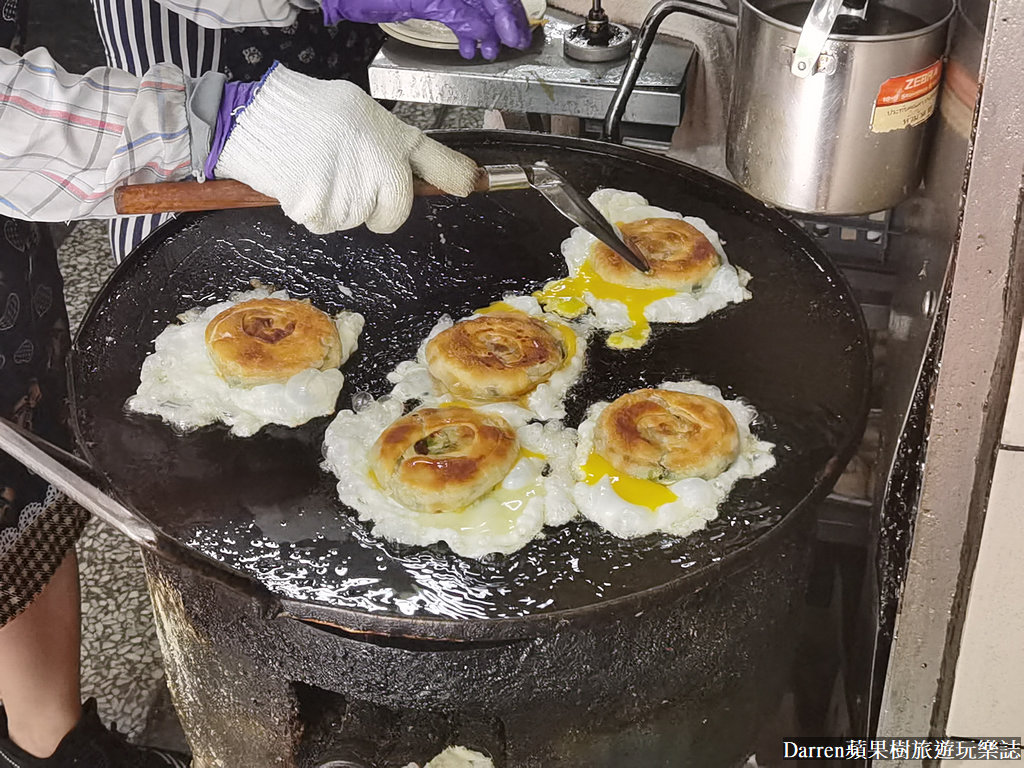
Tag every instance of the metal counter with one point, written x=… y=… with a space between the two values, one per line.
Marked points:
x=539 y=80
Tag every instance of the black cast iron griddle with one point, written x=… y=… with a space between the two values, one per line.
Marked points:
x=262 y=505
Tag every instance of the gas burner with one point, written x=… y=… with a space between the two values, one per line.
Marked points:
x=597 y=39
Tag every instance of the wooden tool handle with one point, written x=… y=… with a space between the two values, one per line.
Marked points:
x=177 y=196
x=187 y=196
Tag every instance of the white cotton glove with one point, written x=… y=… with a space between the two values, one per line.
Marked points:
x=333 y=156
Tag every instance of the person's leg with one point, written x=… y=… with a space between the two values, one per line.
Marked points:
x=39 y=610
x=39 y=665
x=43 y=722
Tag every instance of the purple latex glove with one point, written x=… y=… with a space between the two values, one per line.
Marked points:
x=237 y=97
x=487 y=22
x=234 y=101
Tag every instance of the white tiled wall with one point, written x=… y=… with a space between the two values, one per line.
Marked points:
x=988 y=691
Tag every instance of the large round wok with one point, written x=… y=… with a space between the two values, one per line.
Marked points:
x=263 y=507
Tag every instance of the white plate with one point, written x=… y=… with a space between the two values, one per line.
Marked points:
x=434 y=34
x=397 y=32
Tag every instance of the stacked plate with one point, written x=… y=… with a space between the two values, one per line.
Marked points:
x=434 y=34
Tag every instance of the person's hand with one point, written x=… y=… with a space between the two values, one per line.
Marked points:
x=332 y=155
x=487 y=23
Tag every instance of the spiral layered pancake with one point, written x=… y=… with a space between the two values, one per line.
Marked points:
x=690 y=276
x=181 y=384
x=664 y=459
x=536 y=490
x=664 y=436
x=443 y=459
x=680 y=255
x=508 y=352
x=268 y=340
x=496 y=356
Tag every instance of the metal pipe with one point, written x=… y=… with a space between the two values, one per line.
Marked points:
x=27 y=449
x=612 y=120
x=61 y=469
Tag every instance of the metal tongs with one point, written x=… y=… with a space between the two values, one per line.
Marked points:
x=820 y=20
x=180 y=196
x=570 y=203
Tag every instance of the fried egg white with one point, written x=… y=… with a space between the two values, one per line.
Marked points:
x=536 y=492
x=629 y=507
x=458 y=757
x=626 y=311
x=180 y=384
x=412 y=379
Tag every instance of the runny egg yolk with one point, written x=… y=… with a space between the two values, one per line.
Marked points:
x=497 y=306
x=565 y=297
x=643 y=493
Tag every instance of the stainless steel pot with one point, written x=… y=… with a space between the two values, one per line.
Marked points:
x=848 y=139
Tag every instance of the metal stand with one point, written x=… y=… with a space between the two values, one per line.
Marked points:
x=540 y=80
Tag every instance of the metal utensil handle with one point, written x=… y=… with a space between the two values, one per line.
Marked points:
x=820 y=20
x=22 y=446
x=612 y=129
x=181 y=196
x=41 y=457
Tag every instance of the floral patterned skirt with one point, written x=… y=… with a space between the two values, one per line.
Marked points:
x=38 y=525
x=341 y=52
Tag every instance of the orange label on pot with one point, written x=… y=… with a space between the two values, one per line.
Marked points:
x=906 y=100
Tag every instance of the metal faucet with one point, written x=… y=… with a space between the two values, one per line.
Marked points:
x=658 y=13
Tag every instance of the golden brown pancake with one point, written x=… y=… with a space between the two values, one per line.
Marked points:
x=497 y=356
x=679 y=255
x=262 y=341
x=443 y=459
x=665 y=436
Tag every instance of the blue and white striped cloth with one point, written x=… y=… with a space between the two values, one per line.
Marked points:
x=66 y=141
x=138 y=34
